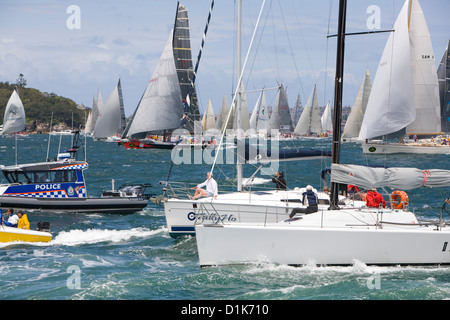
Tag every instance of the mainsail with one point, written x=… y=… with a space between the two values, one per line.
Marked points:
x=245 y=119
x=14 y=119
x=183 y=64
x=111 y=119
x=404 y=92
x=161 y=106
x=327 y=125
x=208 y=121
x=297 y=111
x=355 y=119
x=222 y=117
x=284 y=112
x=309 y=122
x=280 y=119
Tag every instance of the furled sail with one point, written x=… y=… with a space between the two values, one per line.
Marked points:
x=14 y=119
x=395 y=177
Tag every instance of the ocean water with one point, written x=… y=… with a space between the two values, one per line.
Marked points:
x=132 y=257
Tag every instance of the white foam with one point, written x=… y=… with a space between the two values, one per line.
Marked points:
x=90 y=236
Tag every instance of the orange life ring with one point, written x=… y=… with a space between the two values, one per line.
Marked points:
x=394 y=198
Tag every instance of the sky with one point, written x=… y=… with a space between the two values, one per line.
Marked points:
x=77 y=48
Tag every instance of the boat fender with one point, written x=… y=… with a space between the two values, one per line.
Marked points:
x=43 y=226
x=396 y=196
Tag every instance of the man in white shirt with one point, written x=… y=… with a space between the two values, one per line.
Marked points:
x=211 y=188
x=12 y=220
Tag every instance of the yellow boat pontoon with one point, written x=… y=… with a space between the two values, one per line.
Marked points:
x=11 y=234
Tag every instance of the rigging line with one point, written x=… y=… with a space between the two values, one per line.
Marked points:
x=233 y=106
x=330 y=8
x=257 y=47
x=306 y=48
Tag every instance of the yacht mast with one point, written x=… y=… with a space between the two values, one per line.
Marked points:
x=338 y=84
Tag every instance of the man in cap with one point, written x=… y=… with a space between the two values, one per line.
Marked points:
x=310 y=200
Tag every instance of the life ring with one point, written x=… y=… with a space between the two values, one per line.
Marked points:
x=394 y=198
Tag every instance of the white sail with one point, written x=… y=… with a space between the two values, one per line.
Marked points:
x=327 y=125
x=245 y=121
x=110 y=120
x=263 y=114
x=14 y=119
x=222 y=117
x=209 y=121
x=354 y=121
x=395 y=177
x=285 y=112
x=309 y=121
x=296 y=113
x=274 y=120
x=88 y=126
x=254 y=116
x=404 y=92
x=425 y=82
x=160 y=107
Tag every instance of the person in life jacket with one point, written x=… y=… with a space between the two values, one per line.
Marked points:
x=310 y=200
x=23 y=221
x=12 y=220
x=374 y=199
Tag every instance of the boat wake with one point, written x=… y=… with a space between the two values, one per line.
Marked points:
x=91 y=236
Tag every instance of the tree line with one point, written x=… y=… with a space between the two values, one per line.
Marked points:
x=39 y=107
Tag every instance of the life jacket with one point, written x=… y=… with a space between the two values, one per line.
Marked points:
x=374 y=199
x=311 y=198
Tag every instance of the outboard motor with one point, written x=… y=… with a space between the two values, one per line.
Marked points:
x=43 y=226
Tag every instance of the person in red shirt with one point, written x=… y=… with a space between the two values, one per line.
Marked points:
x=374 y=199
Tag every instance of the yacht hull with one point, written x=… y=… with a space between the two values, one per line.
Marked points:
x=391 y=148
x=82 y=205
x=296 y=245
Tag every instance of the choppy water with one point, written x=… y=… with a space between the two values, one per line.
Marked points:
x=100 y=256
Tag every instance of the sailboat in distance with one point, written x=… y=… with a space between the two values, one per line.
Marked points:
x=354 y=120
x=111 y=120
x=405 y=91
x=163 y=103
